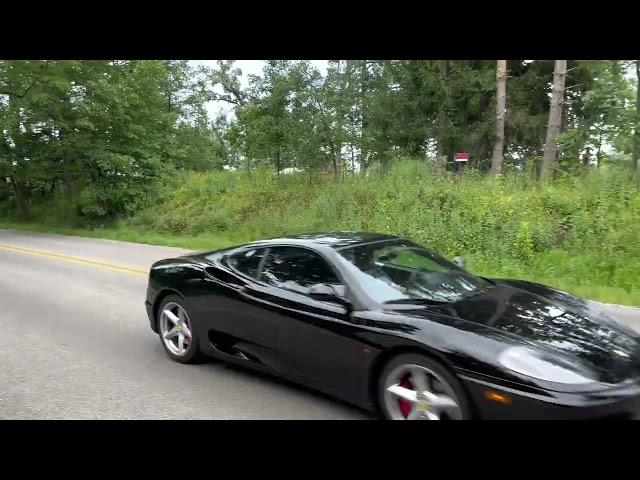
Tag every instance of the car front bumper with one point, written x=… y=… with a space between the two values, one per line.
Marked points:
x=495 y=402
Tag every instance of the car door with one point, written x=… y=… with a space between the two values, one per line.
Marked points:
x=318 y=339
x=237 y=320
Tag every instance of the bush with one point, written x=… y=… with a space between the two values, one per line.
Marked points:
x=580 y=231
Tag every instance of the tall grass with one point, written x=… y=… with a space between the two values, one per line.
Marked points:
x=582 y=234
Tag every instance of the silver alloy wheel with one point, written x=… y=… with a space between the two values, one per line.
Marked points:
x=175 y=328
x=428 y=395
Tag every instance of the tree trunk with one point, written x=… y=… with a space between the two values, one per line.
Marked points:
x=337 y=154
x=66 y=172
x=586 y=160
x=501 y=102
x=555 y=118
x=66 y=167
x=22 y=203
x=442 y=150
x=365 y=123
x=353 y=160
x=636 y=133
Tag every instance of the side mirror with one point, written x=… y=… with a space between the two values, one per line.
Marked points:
x=326 y=293
x=459 y=261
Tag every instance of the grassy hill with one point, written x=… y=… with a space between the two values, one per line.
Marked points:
x=578 y=234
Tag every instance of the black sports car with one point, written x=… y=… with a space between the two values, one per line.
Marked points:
x=389 y=325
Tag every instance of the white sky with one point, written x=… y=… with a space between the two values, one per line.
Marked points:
x=248 y=67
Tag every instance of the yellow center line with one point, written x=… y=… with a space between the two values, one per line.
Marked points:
x=75 y=259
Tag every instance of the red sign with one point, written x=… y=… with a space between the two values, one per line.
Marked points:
x=462 y=157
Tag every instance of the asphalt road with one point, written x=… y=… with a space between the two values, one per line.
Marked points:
x=75 y=343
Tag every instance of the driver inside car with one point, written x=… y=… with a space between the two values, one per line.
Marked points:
x=367 y=263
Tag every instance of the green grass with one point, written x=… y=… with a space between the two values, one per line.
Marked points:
x=579 y=235
x=197 y=242
x=204 y=242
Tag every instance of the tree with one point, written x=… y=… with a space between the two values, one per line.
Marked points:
x=603 y=114
x=95 y=135
x=20 y=86
x=555 y=118
x=501 y=103
x=636 y=136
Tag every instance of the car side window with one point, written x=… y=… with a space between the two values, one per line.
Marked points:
x=247 y=262
x=297 y=269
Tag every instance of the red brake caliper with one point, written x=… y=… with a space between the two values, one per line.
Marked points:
x=405 y=406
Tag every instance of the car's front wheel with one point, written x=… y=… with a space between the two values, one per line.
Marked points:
x=177 y=333
x=415 y=387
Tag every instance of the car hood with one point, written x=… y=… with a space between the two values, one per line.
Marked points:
x=553 y=320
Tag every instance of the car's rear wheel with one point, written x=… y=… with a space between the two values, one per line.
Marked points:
x=415 y=387
x=176 y=332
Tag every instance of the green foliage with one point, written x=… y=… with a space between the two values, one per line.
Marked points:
x=100 y=130
x=580 y=231
x=129 y=142
x=577 y=234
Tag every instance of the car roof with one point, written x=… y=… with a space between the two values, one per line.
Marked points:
x=335 y=240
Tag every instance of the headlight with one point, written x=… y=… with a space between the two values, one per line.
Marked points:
x=542 y=366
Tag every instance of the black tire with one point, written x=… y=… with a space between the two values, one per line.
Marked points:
x=421 y=360
x=193 y=354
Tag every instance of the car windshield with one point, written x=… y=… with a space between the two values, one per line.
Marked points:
x=400 y=271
